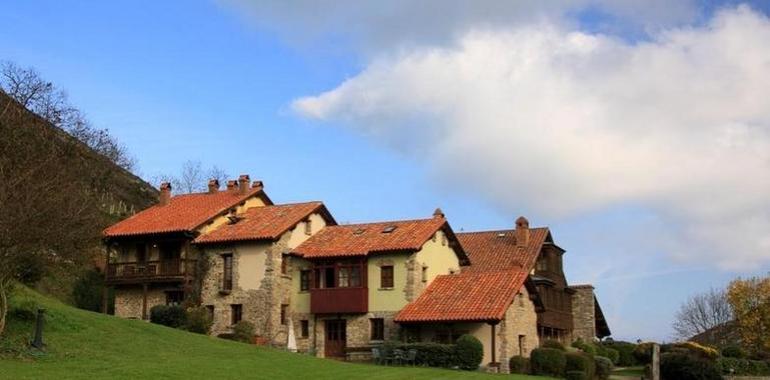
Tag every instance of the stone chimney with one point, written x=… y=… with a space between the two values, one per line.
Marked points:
x=438 y=213
x=522 y=232
x=257 y=185
x=165 y=194
x=243 y=183
x=232 y=186
x=213 y=186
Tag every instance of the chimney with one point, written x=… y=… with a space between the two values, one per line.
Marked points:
x=243 y=183
x=257 y=185
x=232 y=185
x=522 y=232
x=213 y=186
x=438 y=213
x=165 y=193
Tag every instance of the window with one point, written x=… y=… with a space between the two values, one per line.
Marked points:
x=174 y=297
x=284 y=264
x=304 y=330
x=344 y=277
x=210 y=309
x=386 y=276
x=329 y=277
x=377 y=328
x=355 y=277
x=236 y=313
x=304 y=280
x=227 y=275
x=388 y=229
x=542 y=264
x=424 y=274
x=284 y=308
x=141 y=253
x=308 y=227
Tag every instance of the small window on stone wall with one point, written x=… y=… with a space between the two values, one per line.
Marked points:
x=284 y=264
x=377 y=329
x=284 y=308
x=210 y=309
x=308 y=227
x=424 y=274
x=304 y=328
x=236 y=313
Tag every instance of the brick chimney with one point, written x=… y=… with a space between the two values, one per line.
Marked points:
x=165 y=194
x=213 y=186
x=243 y=183
x=232 y=185
x=257 y=185
x=438 y=213
x=522 y=232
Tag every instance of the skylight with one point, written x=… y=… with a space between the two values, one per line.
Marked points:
x=388 y=229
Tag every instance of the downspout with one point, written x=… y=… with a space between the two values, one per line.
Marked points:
x=493 y=343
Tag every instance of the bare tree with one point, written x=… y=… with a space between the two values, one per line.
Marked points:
x=27 y=87
x=217 y=173
x=192 y=177
x=702 y=312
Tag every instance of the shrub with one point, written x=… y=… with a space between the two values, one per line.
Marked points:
x=519 y=364
x=555 y=344
x=469 y=351
x=429 y=354
x=625 y=352
x=643 y=353
x=584 y=346
x=576 y=375
x=693 y=348
x=609 y=353
x=603 y=367
x=548 y=361
x=743 y=367
x=198 y=320
x=87 y=290
x=681 y=366
x=171 y=316
x=580 y=361
x=733 y=352
x=23 y=311
x=243 y=331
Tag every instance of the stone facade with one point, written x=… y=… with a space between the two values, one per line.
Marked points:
x=129 y=299
x=517 y=332
x=583 y=313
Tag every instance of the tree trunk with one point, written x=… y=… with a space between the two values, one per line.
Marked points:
x=3 y=306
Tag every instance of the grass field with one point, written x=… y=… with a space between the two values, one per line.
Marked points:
x=86 y=345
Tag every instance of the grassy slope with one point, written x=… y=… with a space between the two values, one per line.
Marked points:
x=82 y=345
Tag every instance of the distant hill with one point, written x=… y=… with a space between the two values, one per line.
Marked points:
x=121 y=193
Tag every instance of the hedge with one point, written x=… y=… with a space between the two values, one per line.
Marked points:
x=429 y=354
x=585 y=347
x=603 y=367
x=580 y=361
x=519 y=364
x=548 y=361
x=243 y=331
x=743 y=367
x=555 y=344
x=609 y=353
x=681 y=366
x=625 y=352
x=576 y=375
x=733 y=352
x=171 y=316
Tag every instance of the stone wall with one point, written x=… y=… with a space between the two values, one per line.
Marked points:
x=517 y=332
x=129 y=299
x=358 y=333
x=583 y=313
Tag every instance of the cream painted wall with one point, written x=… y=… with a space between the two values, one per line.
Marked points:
x=251 y=264
x=438 y=257
x=300 y=300
x=254 y=201
x=298 y=234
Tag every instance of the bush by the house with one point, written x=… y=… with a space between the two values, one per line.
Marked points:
x=733 y=352
x=547 y=361
x=743 y=367
x=469 y=351
x=429 y=354
x=576 y=375
x=609 y=353
x=555 y=344
x=603 y=367
x=519 y=364
x=625 y=352
x=584 y=346
x=643 y=353
x=243 y=331
x=87 y=292
x=692 y=348
x=198 y=320
x=682 y=366
x=580 y=361
x=171 y=316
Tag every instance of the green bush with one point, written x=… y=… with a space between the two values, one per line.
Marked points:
x=469 y=351
x=429 y=354
x=555 y=344
x=681 y=366
x=23 y=311
x=243 y=331
x=643 y=353
x=580 y=361
x=625 y=352
x=519 y=364
x=733 y=352
x=198 y=320
x=548 y=361
x=743 y=367
x=603 y=367
x=584 y=346
x=607 y=352
x=87 y=292
x=171 y=316
x=576 y=375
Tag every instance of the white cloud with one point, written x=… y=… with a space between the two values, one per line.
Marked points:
x=562 y=123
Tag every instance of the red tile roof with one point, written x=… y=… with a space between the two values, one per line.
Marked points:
x=268 y=222
x=468 y=296
x=185 y=212
x=362 y=239
x=496 y=250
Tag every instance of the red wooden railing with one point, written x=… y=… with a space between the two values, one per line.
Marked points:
x=339 y=300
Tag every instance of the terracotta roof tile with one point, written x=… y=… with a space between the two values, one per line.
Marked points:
x=468 y=296
x=185 y=212
x=496 y=250
x=362 y=239
x=268 y=222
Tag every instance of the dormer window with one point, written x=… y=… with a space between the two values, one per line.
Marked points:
x=308 y=227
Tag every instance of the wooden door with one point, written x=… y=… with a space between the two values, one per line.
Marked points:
x=336 y=335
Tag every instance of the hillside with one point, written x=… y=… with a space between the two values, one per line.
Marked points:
x=82 y=344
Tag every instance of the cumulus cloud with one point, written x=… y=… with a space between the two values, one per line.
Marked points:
x=562 y=122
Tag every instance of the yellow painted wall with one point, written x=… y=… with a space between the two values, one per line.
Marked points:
x=390 y=299
x=298 y=235
x=254 y=201
x=300 y=300
x=438 y=257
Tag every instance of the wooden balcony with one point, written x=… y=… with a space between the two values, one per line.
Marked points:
x=150 y=271
x=339 y=300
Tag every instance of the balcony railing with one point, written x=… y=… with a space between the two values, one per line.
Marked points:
x=161 y=270
x=339 y=300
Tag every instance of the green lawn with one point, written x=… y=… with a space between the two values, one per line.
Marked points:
x=85 y=345
x=636 y=372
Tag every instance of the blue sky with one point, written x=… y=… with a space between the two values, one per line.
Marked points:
x=337 y=104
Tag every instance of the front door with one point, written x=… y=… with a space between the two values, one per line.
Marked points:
x=334 y=345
